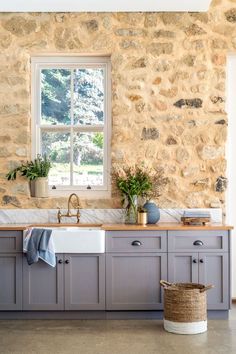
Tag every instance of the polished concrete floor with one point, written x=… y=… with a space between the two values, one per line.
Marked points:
x=113 y=337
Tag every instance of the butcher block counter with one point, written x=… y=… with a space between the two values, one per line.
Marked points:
x=124 y=227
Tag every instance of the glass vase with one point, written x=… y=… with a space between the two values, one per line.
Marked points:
x=131 y=210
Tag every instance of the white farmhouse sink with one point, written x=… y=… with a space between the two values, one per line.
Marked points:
x=78 y=239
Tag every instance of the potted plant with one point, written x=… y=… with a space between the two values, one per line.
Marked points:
x=37 y=171
x=132 y=182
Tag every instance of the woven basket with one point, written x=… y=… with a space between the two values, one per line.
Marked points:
x=185 y=309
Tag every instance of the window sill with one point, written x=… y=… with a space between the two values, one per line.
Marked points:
x=84 y=194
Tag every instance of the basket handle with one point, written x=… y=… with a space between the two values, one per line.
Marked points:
x=207 y=287
x=165 y=284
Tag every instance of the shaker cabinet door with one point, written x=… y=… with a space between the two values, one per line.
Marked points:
x=43 y=286
x=10 y=282
x=214 y=269
x=84 y=281
x=183 y=267
x=133 y=281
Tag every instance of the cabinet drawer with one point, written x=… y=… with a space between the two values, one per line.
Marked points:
x=182 y=241
x=11 y=241
x=133 y=241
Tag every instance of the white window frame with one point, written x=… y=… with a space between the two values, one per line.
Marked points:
x=71 y=62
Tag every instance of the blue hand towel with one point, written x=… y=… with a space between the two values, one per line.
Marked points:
x=38 y=244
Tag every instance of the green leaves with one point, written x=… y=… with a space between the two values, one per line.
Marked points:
x=39 y=167
x=98 y=140
x=139 y=181
x=133 y=182
x=87 y=95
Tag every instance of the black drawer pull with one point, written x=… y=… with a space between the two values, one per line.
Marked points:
x=198 y=243
x=67 y=261
x=60 y=261
x=201 y=261
x=194 y=260
x=136 y=243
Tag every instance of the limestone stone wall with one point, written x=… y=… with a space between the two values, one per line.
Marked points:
x=168 y=94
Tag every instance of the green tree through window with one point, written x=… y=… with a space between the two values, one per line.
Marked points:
x=72 y=127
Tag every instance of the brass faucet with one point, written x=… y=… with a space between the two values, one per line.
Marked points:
x=69 y=214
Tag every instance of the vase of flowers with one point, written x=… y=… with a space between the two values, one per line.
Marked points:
x=139 y=181
x=132 y=182
x=131 y=209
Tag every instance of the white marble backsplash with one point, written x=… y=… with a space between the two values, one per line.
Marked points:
x=96 y=216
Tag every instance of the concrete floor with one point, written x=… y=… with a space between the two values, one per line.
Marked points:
x=113 y=337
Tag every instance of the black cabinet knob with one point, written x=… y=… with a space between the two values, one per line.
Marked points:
x=198 y=243
x=194 y=261
x=136 y=243
x=201 y=261
x=60 y=261
x=67 y=261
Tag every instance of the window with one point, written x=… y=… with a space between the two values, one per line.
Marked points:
x=71 y=120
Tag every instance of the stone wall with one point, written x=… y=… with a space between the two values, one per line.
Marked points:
x=168 y=94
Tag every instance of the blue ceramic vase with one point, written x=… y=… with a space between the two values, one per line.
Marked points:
x=153 y=212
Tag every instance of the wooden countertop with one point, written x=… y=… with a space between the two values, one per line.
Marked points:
x=65 y=225
x=123 y=227
x=21 y=227
x=13 y=227
x=164 y=226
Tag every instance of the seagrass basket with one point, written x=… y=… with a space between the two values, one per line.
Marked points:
x=185 y=307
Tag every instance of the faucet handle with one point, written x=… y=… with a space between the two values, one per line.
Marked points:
x=78 y=216
x=59 y=215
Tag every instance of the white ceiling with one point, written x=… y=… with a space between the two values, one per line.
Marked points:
x=103 y=5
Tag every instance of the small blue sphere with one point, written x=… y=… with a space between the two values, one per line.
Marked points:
x=153 y=212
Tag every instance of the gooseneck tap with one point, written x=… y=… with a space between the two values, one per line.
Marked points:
x=69 y=214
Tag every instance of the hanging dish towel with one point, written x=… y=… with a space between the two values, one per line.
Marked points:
x=38 y=244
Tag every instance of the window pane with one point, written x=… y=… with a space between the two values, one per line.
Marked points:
x=57 y=146
x=55 y=96
x=88 y=96
x=88 y=159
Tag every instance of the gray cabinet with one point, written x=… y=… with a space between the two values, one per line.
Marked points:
x=133 y=281
x=201 y=257
x=125 y=278
x=135 y=264
x=136 y=241
x=183 y=267
x=198 y=241
x=76 y=283
x=84 y=281
x=10 y=270
x=10 y=282
x=43 y=286
x=11 y=241
x=214 y=269
x=204 y=268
